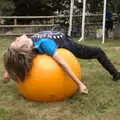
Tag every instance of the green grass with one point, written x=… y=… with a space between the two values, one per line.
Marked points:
x=102 y=102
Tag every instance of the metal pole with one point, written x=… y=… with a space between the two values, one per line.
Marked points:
x=83 y=21
x=104 y=17
x=71 y=15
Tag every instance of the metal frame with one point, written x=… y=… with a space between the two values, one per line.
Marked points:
x=83 y=20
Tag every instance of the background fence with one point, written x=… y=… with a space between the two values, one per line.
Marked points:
x=17 y=25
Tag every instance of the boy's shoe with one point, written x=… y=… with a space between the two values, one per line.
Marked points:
x=116 y=77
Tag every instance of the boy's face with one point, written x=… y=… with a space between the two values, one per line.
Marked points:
x=22 y=42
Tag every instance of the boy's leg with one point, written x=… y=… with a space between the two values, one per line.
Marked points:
x=88 y=52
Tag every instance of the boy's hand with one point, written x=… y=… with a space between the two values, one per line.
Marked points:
x=6 y=77
x=83 y=89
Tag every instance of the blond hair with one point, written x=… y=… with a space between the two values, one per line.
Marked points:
x=18 y=62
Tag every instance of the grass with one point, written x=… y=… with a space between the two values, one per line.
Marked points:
x=102 y=102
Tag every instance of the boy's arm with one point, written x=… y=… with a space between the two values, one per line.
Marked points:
x=49 y=47
x=66 y=67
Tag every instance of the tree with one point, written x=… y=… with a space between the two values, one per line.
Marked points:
x=59 y=5
x=32 y=7
x=49 y=7
x=40 y=7
x=96 y=6
x=6 y=7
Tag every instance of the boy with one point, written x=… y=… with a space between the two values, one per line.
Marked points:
x=64 y=41
x=80 y=51
x=18 y=58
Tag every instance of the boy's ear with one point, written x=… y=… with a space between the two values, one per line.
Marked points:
x=34 y=47
x=23 y=53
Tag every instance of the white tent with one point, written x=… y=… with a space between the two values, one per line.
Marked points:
x=83 y=20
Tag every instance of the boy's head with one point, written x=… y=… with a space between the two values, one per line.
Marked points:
x=22 y=44
x=18 y=58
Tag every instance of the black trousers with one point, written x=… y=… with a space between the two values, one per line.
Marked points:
x=88 y=52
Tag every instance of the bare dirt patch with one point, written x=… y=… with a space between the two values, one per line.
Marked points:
x=115 y=48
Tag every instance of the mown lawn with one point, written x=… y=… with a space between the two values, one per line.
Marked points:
x=102 y=102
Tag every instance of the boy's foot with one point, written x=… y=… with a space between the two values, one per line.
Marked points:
x=116 y=77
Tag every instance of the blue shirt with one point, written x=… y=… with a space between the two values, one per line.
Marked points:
x=49 y=41
x=46 y=46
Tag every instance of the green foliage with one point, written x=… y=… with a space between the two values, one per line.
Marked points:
x=49 y=7
x=60 y=5
x=32 y=7
x=38 y=7
x=6 y=7
x=97 y=5
x=102 y=102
